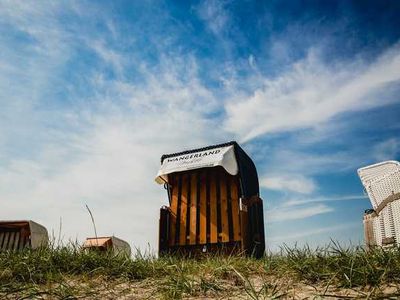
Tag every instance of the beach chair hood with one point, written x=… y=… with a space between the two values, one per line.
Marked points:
x=229 y=156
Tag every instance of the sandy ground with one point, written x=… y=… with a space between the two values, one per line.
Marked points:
x=270 y=288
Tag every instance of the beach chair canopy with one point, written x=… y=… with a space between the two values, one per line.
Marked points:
x=108 y=243
x=230 y=156
x=101 y=242
x=380 y=181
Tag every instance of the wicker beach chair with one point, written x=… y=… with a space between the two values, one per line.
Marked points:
x=382 y=184
x=19 y=234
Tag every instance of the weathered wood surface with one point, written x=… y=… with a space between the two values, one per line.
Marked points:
x=204 y=207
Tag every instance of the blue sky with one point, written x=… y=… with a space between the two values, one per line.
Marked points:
x=93 y=93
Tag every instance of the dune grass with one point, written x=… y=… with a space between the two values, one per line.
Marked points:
x=67 y=272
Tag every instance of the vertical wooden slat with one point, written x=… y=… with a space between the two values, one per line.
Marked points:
x=178 y=210
x=218 y=200
x=5 y=241
x=188 y=208
x=203 y=209
x=184 y=193
x=193 y=209
x=16 y=240
x=230 y=212
x=22 y=242
x=213 y=208
x=235 y=207
x=11 y=241
x=2 y=234
x=224 y=208
x=198 y=188
x=174 y=209
x=208 y=209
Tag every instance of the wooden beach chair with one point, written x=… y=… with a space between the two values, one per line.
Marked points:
x=108 y=243
x=214 y=202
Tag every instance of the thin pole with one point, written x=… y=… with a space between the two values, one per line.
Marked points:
x=94 y=224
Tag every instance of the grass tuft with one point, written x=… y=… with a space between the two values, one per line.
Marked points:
x=68 y=272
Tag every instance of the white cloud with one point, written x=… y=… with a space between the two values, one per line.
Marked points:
x=252 y=62
x=103 y=151
x=112 y=161
x=304 y=234
x=110 y=165
x=110 y=56
x=215 y=16
x=386 y=150
x=280 y=214
x=311 y=92
x=294 y=183
x=296 y=202
x=289 y=159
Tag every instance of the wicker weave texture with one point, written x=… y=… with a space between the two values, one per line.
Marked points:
x=380 y=180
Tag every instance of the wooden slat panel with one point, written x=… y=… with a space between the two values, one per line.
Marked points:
x=213 y=208
x=174 y=209
x=224 y=207
x=193 y=208
x=203 y=209
x=189 y=197
x=234 y=185
x=183 y=211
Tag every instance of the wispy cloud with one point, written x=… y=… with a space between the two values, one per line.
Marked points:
x=279 y=214
x=294 y=183
x=387 y=150
x=303 y=234
x=215 y=16
x=312 y=92
x=104 y=149
x=324 y=199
